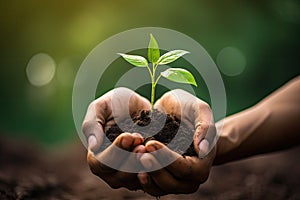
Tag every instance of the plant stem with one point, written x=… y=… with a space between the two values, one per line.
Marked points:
x=152 y=96
x=150 y=72
x=153 y=86
x=157 y=80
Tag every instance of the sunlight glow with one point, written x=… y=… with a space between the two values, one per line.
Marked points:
x=40 y=69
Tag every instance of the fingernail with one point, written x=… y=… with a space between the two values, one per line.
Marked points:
x=92 y=141
x=203 y=146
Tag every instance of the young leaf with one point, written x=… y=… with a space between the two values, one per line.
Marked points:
x=171 y=56
x=179 y=75
x=153 y=50
x=138 y=61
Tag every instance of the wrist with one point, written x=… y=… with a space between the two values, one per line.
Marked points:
x=235 y=132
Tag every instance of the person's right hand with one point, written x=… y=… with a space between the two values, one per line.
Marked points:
x=186 y=173
x=99 y=118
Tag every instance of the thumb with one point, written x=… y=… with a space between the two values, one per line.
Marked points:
x=94 y=133
x=204 y=137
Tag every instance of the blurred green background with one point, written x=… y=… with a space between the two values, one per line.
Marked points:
x=255 y=44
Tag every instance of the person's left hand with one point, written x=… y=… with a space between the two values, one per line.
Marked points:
x=186 y=173
x=103 y=113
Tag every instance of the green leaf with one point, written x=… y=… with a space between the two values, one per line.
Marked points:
x=138 y=61
x=153 y=50
x=171 y=56
x=179 y=75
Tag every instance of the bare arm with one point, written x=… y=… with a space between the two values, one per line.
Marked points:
x=273 y=124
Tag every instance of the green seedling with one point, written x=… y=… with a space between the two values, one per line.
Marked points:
x=173 y=74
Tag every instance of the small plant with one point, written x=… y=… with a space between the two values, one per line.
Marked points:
x=174 y=74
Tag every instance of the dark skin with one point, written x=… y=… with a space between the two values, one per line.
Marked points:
x=98 y=119
x=185 y=174
x=192 y=171
x=273 y=124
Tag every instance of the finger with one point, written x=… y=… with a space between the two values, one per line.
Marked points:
x=138 y=103
x=144 y=180
x=92 y=142
x=114 y=155
x=109 y=175
x=203 y=148
x=127 y=180
x=123 y=178
x=132 y=161
x=169 y=104
x=183 y=168
x=204 y=138
x=96 y=166
x=161 y=152
x=171 y=185
x=139 y=150
x=104 y=111
x=127 y=103
x=94 y=122
x=130 y=180
x=94 y=133
x=147 y=182
x=149 y=186
x=162 y=180
x=112 y=177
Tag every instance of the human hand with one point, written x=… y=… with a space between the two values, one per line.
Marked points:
x=101 y=115
x=185 y=174
x=192 y=111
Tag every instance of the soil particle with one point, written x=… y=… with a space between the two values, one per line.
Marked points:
x=154 y=132
x=27 y=171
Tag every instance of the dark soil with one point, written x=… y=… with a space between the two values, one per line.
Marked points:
x=27 y=171
x=165 y=135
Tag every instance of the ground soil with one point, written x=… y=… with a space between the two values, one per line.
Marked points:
x=28 y=171
x=155 y=132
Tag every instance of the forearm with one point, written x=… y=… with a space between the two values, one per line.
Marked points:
x=273 y=124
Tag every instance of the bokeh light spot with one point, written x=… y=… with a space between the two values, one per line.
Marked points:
x=231 y=61
x=40 y=69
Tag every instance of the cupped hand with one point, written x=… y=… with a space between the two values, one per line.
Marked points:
x=195 y=113
x=101 y=115
x=185 y=174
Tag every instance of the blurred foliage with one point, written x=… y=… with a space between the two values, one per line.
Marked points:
x=266 y=32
